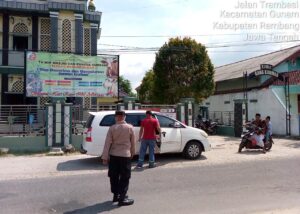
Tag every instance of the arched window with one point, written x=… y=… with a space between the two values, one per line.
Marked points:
x=20 y=28
x=20 y=40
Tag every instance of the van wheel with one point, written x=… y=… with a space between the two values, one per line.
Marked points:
x=193 y=150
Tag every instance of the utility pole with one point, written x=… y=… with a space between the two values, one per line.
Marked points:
x=288 y=105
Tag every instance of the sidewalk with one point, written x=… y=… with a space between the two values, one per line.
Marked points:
x=39 y=166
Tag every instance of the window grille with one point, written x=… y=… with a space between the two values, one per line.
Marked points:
x=44 y=100
x=45 y=41
x=20 y=28
x=87 y=41
x=66 y=36
x=87 y=102
x=18 y=86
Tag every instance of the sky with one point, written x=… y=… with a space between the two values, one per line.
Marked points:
x=231 y=30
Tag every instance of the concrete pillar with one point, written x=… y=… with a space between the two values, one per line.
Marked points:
x=190 y=113
x=129 y=103
x=54 y=31
x=49 y=125
x=58 y=124
x=35 y=33
x=5 y=38
x=188 y=106
x=137 y=106
x=121 y=106
x=67 y=124
x=181 y=113
x=78 y=33
x=240 y=106
x=244 y=120
x=94 y=30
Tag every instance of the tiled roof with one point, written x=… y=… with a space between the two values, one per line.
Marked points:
x=294 y=78
x=236 y=70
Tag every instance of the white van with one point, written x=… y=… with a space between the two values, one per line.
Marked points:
x=175 y=136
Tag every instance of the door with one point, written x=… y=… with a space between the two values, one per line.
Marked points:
x=20 y=43
x=14 y=99
x=135 y=120
x=171 y=136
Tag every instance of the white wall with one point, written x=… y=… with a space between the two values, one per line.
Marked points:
x=270 y=102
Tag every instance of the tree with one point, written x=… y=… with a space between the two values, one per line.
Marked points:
x=146 y=87
x=125 y=86
x=182 y=68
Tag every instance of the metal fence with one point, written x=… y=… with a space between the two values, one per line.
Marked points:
x=21 y=120
x=80 y=115
x=222 y=117
x=30 y=120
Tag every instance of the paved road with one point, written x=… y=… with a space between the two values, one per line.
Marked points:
x=224 y=151
x=258 y=186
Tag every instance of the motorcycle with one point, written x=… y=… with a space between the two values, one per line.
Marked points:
x=247 y=140
x=207 y=125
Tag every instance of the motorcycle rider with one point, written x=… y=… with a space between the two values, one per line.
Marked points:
x=258 y=135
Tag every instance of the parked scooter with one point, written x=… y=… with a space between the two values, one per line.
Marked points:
x=247 y=140
x=207 y=125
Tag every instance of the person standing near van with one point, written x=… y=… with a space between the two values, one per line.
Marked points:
x=147 y=137
x=118 y=151
x=268 y=128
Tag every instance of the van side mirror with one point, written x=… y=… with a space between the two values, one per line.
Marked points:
x=176 y=125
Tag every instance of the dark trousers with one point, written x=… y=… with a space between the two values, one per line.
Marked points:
x=119 y=173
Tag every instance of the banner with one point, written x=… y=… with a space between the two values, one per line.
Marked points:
x=70 y=75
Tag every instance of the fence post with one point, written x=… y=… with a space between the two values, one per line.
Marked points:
x=67 y=117
x=49 y=124
x=188 y=105
x=222 y=121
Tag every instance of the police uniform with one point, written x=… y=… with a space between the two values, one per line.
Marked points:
x=118 y=149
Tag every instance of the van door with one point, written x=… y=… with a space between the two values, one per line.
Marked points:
x=135 y=120
x=171 y=136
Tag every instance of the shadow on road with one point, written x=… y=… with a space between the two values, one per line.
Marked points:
x=294 y=145
x=223 y=138
x=251 y=152
x=89 y=163
x=164 y=159
x=94 y=209
x=94 y=163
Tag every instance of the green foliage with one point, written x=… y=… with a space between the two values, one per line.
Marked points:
x=182 y=68
x=146 y=88
x=125 y=85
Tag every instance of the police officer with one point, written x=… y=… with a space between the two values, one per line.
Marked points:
x=118 y=151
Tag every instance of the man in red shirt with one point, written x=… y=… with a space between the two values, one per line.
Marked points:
x=147 y=137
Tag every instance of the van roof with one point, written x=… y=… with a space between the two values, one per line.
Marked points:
x=126 y=111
